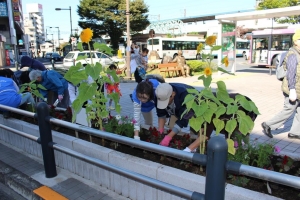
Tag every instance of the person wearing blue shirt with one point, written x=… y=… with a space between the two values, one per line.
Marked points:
x=143 y=103
x=9 y=94
x=52 y=81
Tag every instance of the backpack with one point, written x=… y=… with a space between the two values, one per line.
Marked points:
x=281 y=63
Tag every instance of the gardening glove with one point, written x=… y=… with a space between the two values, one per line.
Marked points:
x=293 y=95
x=166 y=141
x=137 y=137
x=187 y=150
x=161 y=131
x=60 y=97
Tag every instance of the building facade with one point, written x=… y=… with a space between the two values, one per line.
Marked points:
x=12 y=39
x=34 y=27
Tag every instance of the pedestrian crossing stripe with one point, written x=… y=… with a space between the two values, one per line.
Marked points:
x=48 y=194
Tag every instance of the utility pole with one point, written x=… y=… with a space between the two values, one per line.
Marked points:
x=128 y=72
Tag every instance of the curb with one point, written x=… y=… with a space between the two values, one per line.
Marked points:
x=18 y=182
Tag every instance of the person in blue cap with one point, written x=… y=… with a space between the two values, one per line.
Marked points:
x=33 y=64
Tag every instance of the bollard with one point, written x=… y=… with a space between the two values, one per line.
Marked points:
x=217 y=149
x=46 y=139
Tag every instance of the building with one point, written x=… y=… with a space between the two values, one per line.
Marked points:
x=12 y=39
x=34 y=27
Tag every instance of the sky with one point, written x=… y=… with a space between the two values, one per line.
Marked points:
x=167 y=9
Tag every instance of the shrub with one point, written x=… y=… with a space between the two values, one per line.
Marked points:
x=196 y=65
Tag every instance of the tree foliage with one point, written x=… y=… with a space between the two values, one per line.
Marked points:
x=109 y=17
x=270 y=4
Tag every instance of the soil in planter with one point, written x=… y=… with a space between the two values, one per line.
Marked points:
x=278 y=190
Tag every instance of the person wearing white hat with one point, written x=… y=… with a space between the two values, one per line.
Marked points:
x=170 y=98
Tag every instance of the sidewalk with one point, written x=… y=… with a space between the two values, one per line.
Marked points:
x=26 y=176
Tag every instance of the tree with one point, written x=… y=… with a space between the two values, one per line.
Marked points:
x=270 y=4
x=109 y=17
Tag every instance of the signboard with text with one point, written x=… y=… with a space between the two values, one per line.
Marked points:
x=16 y=11
x=3 y=9
x=228 y=41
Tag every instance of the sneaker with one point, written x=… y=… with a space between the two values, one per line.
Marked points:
x=267 y=129
x=293 y=136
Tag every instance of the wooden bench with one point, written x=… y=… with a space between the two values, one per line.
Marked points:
x=271 y=68
x=167 y=68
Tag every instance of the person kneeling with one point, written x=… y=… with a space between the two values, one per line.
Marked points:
x=9 y=95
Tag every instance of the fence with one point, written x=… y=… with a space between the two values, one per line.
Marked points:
x=215 y=161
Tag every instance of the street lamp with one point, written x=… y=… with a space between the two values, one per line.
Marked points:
x=57 y=36
x=58 y=9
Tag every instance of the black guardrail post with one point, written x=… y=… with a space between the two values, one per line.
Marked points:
x=46 y=139
x=217 y=149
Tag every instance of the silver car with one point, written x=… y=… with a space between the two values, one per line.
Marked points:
x=85 y=57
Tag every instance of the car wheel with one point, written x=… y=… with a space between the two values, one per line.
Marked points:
x=198 y=57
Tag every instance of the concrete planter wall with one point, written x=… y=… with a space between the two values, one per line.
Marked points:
x=112 y=181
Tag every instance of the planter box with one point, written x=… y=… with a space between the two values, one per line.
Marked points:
x=121 y=185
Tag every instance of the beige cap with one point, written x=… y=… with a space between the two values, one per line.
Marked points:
x=163 y=93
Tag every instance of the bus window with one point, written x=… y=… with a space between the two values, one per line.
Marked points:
x=155 y=42
x=178 y=45
x=242 y=45
x=281 y=42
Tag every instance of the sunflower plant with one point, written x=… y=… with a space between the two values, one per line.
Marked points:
x=91 y=93
x=210 y=107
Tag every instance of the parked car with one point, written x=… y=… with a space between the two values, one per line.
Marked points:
x=71 y=58
x=53 y=55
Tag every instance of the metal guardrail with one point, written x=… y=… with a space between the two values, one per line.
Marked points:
x=215 y=161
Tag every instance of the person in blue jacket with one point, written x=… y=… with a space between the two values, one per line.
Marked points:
x=52 y=81
x=9 y=94
x=33 y=64
x=143 y=103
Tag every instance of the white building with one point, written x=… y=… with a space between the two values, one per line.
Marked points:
x=34 y=27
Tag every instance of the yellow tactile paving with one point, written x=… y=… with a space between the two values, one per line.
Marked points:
x=48 y=194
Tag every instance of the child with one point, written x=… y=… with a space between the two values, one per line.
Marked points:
x=114 y=87
x=142 y=64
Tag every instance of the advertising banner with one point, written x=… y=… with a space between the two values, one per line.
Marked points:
x=7 y=59
x=16 y=10
x=228 y=42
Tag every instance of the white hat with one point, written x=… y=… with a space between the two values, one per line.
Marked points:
x=163 y=93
